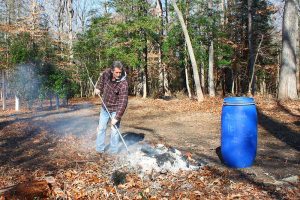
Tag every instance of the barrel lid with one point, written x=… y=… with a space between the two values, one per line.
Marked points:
x=238 y=100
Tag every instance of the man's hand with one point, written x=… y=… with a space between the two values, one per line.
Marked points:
x=97 y=91
x=114 y=121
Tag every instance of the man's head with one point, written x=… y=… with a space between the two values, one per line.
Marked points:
x=117 y=70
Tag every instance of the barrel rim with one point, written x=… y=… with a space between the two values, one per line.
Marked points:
x=239 y=101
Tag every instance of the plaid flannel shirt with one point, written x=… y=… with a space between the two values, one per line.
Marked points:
x=114 y=93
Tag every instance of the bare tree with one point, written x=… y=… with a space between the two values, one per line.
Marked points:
x=70 y=12
x=287 y=80
x=145 y=68
x=251 y=88
x=221 y=7
x=3 y=90
x=253 y=68
x=145 y=58
x=82 y=11
x=191 y=53
x=211 y=85
x=186 y=63
x=163 y=81
x=202 y=72
x=186 y=71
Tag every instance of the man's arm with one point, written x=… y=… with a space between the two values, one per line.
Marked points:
x=122 y=102
x=100 y=83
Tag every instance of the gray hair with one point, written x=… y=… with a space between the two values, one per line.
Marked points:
x=117 y=64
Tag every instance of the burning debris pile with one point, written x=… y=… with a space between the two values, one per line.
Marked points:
x=161 y=159
x=70 y=173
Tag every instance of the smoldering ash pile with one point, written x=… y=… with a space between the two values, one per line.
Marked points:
x=146 y=159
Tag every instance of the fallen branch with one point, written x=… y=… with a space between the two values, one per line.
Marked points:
x=7 y=189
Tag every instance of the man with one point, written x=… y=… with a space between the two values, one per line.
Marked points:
x=113 y=87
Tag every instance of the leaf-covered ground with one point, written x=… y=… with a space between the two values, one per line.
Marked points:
x=50 y=153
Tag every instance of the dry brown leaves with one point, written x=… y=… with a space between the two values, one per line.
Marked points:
x=76 y=178
x=211 y=105
x=32 y=156
x=285 y=111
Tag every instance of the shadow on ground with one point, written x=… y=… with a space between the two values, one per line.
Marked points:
x=132 y=138
x=27 y=139
x=27 y=149
x=280 y=130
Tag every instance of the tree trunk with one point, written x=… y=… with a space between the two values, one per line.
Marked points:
x=252 y=80
x=298 y=65
x=161 y=89
x=238 y=85
x=17 y=103
x=105 y=8
x=144 y=54
x=298 y=78
x=144 y=83
x=57 y=101
x=166 y=81
x=186 y=71
x=10 y=10
x=166 y=16
x=70 y=30
x=91 y=88
x=145 y=70
x=233 y=85
x=163 y=77
x=166 y=75
x=81 y=88
x=287 y=79
x=263 y=88
x=50 y=100
x=191 y=53
x=222 y=12
x=162 y=73
x=202 y=75
x=211 y=86
x=251 y=88
x=226 y=11
x=61 y=11
x=278 y=71
x=186 y=64
x=3 y=90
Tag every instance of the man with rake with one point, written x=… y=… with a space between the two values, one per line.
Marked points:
x=113 y=87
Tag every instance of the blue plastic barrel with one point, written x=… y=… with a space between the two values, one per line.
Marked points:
x=238 y=132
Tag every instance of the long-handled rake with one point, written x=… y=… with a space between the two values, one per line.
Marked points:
x=108 y=112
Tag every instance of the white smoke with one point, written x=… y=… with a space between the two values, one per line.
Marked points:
x=146 y=159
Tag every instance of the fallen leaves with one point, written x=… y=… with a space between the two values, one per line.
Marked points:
x=38 y=163
x=209 y=105
x=28 y=190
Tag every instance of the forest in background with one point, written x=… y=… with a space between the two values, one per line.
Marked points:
x=199 y=48
x=183 y=57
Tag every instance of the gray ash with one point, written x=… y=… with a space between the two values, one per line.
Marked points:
x=165 y=157
x=149 y=151
x=161 y=158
